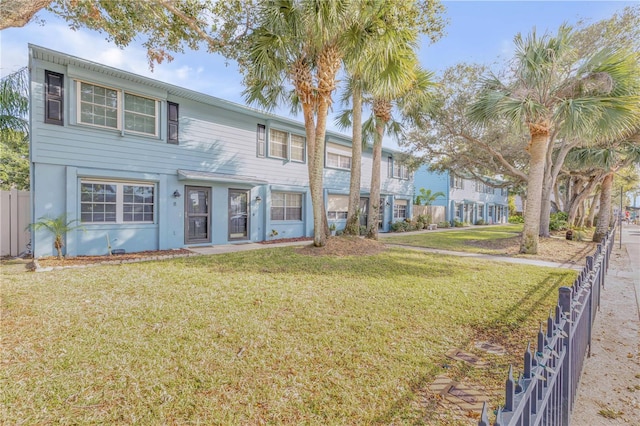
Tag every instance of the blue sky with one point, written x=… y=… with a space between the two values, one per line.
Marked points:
x=478 y=31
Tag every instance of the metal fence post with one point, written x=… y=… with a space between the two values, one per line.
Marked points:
x=564 y=300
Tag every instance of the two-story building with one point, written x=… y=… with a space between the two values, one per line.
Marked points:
x=146 y=165
x=466 y=199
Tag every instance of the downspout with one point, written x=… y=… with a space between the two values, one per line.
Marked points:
x=32 y=206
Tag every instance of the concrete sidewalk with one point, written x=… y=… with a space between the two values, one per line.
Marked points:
x=609 y=390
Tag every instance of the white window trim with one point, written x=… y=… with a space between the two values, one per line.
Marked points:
x=119 y=201
x=396 y=208
x=304 y=148
x=399 y=170
x=120 y=109
x=341 y=153
x=286 y=194
x=287 y=145
x=337 y=206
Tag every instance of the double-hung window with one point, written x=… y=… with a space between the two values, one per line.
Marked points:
x=286 y=206
x=278 y=144
x=338 y=156
x=397 y=170
x=456 y=182
x=114 y=109
x=116 y=202
x=400 y=209
x=284 y=145
x=337 y=207
x=297 y=148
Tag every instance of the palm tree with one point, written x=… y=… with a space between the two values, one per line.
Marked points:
x=14 y=130
x=368 y=60
x=554 y=91
x=610 y=160
x=411 y=97
x=300 y=44
x=428 y=197
x=58 y=226
x=14 y=102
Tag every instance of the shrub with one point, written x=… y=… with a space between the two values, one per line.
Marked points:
x=444 y=224
x=420 y=225
x=558 y=221
x=516 y=219
x=480 y=222
x=457 y=223
x=398 y=226
x=363 y=230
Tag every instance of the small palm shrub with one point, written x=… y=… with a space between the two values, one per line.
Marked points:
x=58 y=226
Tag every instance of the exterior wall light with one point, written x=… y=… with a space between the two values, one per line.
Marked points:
x=176 y=194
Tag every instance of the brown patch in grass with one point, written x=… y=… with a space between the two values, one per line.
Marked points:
x=553 y=249
x=344 y=246
x=88 y=260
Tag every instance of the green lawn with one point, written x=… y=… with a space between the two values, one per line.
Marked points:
x=458 y=239
x=261 y=337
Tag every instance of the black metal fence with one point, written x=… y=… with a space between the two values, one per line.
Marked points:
x=544 y=393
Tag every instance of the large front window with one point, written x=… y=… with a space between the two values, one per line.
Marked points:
x=116 y=202
x=286 y=206
x=103 y=107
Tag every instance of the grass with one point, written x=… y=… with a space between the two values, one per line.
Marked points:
x=458 y=240
x=609 y=413
x=261 y=337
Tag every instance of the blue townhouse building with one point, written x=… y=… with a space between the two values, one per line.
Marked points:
x=146 y=165
x=466 y=199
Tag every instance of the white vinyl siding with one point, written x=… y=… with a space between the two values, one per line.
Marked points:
x=116 y=202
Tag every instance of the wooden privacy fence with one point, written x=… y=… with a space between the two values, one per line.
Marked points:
x=438 y=213
x=545 y=392
x=14 y=218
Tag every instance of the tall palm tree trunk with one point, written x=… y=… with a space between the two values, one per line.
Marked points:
x=315 y=176
x=374 y=194
x=353 y=215
x=531 y=230
x=605 y=208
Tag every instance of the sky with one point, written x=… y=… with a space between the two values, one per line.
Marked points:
x=477 y=31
